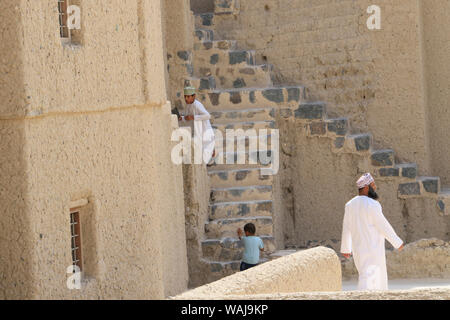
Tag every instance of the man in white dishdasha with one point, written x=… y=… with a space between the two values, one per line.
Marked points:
x=364 y=232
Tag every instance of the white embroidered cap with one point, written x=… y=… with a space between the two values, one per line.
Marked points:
x=365 y=180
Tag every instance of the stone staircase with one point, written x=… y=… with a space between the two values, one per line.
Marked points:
x=240 y=94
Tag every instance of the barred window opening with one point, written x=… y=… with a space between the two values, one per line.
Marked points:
x=75 y=231
x=63 y=26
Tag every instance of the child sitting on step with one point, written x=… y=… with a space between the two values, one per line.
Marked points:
x=252 y=246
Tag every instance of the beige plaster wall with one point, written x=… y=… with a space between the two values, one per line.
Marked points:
x=373 y=77
x=316 y=183
x=317 y=269
x=422 y=259
x=88 y=122
x=196 y=198
x=15 y=271
x=178 y=37
x=436 y=41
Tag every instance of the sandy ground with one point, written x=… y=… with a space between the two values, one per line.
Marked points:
x=404 y=284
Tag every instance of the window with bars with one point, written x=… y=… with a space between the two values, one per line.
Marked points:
x=64 y=30
x=75 y=230
x=70 y=22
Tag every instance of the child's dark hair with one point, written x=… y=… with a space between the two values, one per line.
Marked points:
x=250 y=228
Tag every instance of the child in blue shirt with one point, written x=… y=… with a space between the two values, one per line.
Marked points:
x=252 y=246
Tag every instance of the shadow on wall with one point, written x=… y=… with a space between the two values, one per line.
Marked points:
x=202 y=6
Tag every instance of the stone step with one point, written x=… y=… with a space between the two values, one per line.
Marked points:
x=259 y=138
x=430 y=185
x=242 y=194
x=205 y=83
x=236 y=76
x=247 y=98
x=332 y=128
x=246 y=125
x=214 y=45
x=226 y=6
x=204 y=21
x=222 y=58
x=227 y=228
x=231 y=249
x=203 y=35
x=360 y=142
x=185 y=56
x=338 y=127
x=229 y=72
x=239 y=209
x=237 y=166
x=405 y=170
x=383 y=158
x=242 y=160
x=311 y=111
x=238 y=178
x=233 y=148
x=443 y=202
x=423 y=186
x=243 y=140
x=253 y=114
x=220 y=269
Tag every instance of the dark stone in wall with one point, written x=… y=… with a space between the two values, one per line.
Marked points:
x=409 y=189
x=389 y=172
x=237 y=57
x=362 y=142
x=431 y=185
x=383 y=158
x=310 y=111
x=274 y=95
x=293 y=94
x=338 y=126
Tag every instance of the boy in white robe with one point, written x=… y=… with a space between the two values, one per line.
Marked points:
x=364 y=232
x=196 y=111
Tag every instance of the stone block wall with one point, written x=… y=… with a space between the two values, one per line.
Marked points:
x=374 y=77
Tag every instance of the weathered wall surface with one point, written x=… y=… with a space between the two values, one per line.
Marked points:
x=88 y=122
x=436 y=41
x=196 y=195
x=373 y=77
x=317 y=269
x=317 y=182
x=15 y=242
x=179 y=43
x=426 y=258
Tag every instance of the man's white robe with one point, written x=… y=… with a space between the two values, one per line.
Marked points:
x=203 y=131
x=364 y=232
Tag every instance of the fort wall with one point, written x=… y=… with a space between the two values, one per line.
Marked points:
x=88 y=123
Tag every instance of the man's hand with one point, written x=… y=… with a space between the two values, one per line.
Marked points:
x=401 y=248
x=347 y=255
x=189 y=118
x=240 y=233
